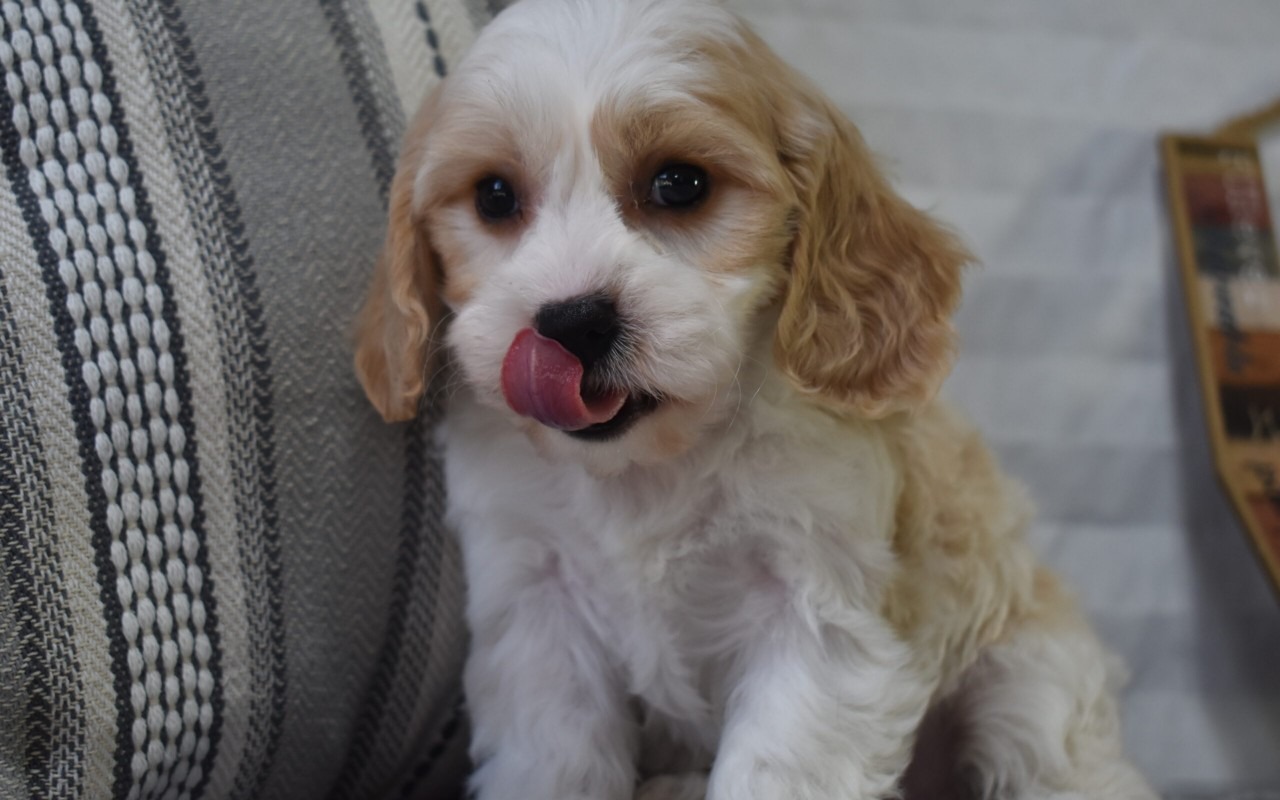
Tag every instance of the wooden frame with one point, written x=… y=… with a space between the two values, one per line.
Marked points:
x=1231 y=279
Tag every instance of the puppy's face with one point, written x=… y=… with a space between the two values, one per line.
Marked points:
x=613 y=211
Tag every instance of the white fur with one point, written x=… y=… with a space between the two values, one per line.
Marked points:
x=732 y=592
x=639 y=608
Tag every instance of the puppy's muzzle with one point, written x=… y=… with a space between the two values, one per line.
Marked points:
x=555 y=371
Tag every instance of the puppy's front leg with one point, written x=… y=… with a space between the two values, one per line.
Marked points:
x=824 y=710
x=549 y=718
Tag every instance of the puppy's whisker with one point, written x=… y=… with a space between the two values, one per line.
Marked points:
x=737 y=384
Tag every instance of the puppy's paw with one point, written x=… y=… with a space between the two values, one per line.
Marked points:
x=690 y=786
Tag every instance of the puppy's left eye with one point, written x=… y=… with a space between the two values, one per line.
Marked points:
x=496 y=198
x=678 y=186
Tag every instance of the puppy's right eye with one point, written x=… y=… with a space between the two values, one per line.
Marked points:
x=496 y=198
x=678 y=186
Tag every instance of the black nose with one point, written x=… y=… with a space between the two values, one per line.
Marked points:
x=586 y=326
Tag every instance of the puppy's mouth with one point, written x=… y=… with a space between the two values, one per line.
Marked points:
x=545 y=382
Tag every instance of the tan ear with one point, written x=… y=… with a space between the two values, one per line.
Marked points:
x=866 y=323
x=393 y=329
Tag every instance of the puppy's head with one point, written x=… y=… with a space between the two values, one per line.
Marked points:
x=623 y=206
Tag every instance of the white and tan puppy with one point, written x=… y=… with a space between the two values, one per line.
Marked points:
x=720 y=539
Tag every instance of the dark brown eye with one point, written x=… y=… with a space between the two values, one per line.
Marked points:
x=496 y=198
x=678 y=186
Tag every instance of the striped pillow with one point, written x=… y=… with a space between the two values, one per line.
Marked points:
x=220 y=574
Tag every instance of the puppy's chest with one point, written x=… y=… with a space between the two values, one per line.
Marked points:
x=673 y=615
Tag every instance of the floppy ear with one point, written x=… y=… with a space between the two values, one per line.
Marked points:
x=866 y=323
x=393 y=330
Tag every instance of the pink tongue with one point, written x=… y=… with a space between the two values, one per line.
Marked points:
x=541 y=379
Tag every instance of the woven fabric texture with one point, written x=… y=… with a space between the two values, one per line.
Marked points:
x=220 y=574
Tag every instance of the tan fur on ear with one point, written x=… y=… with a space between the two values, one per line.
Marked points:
x=393 y=330
x=866 y=324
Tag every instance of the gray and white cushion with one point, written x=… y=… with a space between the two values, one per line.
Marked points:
x=220 y=574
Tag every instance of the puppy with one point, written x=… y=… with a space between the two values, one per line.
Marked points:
x=721 y=540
